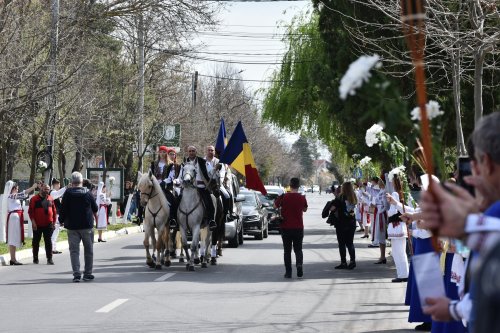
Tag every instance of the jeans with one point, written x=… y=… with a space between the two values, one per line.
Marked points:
x=292 y=238
x=74 y=238
x=37 y=235
x=345 y=237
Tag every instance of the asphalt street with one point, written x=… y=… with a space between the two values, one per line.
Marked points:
x=245 y=292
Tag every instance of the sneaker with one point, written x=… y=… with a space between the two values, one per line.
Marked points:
x=424 y=327
x=342 y=265
x=76 y=279
x=35 y=261
x=351 y=265
x=50 y=261
x=300 y=271
x=88 y=277
x=287 y=275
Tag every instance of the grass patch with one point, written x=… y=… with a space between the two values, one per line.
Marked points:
x=63 y=235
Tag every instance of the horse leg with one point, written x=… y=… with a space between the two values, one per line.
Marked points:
x=194 y=246
x=203 y=237
x=184 y=245
x=179 y=251
x=166 y=245
x=149 y=260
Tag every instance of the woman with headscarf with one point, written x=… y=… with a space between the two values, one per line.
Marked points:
x=102 y=215
x=13 y=210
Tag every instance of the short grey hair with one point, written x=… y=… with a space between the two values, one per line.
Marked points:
x=486 y=136
x=76 y=178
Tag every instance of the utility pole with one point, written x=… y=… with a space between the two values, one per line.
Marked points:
x=194 y=88
x=52 y=97
x=140 y=102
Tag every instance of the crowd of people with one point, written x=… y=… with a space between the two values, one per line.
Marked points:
x=462 y=227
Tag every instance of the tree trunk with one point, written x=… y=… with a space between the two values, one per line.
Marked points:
x=129 y=165
x=78 y=155
x=34 y=151
x=457 y=98
x=478 y=84
x=61 y=164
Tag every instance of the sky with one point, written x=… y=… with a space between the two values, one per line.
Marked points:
x=251 y=32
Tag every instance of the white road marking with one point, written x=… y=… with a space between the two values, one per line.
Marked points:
x=112 y=305
x=164 y=277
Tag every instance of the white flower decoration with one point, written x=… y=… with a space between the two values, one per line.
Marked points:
x=396 y=171
x=365 y=160
x=357 y=74
x=433 y=111
x=372 y=135
x=111 y=180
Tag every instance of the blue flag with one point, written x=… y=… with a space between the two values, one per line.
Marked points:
x=221 y=142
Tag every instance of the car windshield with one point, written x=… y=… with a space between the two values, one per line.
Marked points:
x=249 y=199
x=269 y=198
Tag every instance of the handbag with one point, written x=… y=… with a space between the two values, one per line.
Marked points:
x=279 y=218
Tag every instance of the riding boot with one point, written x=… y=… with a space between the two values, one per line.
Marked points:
x=209 y=206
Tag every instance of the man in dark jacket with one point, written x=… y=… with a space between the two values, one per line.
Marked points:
x=43 y=214
x=78 y=211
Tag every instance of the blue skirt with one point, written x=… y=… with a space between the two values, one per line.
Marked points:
x=416 y=315
x=410 y=276
x=452 y=293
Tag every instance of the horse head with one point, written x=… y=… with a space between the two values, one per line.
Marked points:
x=189 y=175
x=145 y=186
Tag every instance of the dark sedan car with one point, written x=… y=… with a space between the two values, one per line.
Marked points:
x=272 y=212
x=254 y=215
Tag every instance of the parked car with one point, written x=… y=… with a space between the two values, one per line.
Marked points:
x=254 y=216
x=272 y=212
x=234 y=228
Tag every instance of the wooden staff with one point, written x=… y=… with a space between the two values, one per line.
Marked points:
x=412 y=17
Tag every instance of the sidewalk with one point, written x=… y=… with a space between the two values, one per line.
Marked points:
x=63 y=245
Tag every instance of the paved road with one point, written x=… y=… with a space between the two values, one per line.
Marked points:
x=246 y=292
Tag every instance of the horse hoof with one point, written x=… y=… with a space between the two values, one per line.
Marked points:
x=168 y=263
x=204 y=265
x=213 y=262
x=191 y=268
x=158 y=267
x=197 y=261
x=181 y=259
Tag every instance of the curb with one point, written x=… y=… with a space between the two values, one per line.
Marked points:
x=63 y=245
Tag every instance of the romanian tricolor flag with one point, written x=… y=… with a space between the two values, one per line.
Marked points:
x=221 y=142
x=239 y=155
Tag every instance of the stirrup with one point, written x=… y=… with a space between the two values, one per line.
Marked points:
x=173 y=223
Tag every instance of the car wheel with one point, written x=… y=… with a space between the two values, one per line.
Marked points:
x=240 y=236
x=266 y=232
x=260 y=235
x=234 y=242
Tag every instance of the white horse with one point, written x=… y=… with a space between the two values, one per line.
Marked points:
x=156 y=216
x=190 y=217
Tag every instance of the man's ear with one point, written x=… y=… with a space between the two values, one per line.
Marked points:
x=489 y=164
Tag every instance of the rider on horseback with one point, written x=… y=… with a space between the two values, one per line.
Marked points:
x=166 y=170
x=226 y=197
x=203 y=168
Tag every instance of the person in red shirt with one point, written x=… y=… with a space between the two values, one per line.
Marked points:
x=42 y=212
x=292 y=205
